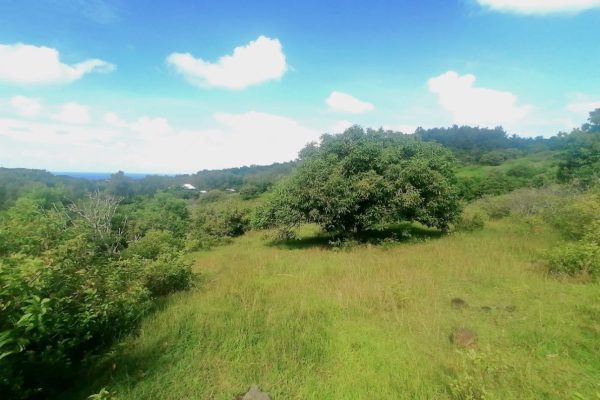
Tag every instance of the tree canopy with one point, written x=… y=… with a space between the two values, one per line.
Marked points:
x=580 y=159
x=360 y=179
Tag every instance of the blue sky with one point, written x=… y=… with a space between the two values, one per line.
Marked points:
x=178 y=86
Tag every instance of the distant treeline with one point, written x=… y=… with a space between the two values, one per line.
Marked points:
x=473 y=143
x=576 y=151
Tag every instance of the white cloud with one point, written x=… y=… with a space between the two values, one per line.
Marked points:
x=344 y=102
x=583 y=107
x=25 y=64
x=259 y=61
x=26 y=106
x=152 y=144
x=260 y=138
x=472 y=105
x=147 y=126
x=74 y=113
x=540 y=6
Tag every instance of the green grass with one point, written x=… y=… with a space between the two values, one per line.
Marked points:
x=372 y=322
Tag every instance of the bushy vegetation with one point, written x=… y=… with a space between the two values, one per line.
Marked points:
x=69 y=285
x=216 y=225
x=579 y=221
x=580 y=159
x=359 y=179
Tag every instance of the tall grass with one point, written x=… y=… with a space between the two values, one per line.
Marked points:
x=371 y=322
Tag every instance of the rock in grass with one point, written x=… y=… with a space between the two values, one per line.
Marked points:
x=458 y=303
x=255 y=394
x=465 y=338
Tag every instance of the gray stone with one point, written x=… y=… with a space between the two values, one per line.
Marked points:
x=255 y=394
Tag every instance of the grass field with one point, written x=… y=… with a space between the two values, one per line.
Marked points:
x=373 y=322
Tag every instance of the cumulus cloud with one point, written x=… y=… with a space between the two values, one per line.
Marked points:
x=24 y=64
x=26 y=106
x=344 y=102
x=152 y=144
x=473 y=105
x=74 y=113
x=540 y=6
x=259 y=61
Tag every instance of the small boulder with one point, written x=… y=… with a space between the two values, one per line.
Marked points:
x=465 y=338
x=255 y=394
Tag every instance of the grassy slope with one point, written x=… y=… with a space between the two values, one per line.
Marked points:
x=542 y=161
x=369 y=323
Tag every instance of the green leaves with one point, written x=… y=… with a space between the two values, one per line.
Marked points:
x=360 y=179
x=67 y=288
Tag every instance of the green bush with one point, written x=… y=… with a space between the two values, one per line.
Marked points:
x=574 y=216
x=579 y=219
x=212 y=226
x=55 y=312
x=575 y=259
x=470 y=222
x=68 y=287
x=154 y=243
x=168 y=274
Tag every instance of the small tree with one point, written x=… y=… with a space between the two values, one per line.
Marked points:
x=361 y=179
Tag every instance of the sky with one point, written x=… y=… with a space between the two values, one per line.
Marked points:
x=179 y=86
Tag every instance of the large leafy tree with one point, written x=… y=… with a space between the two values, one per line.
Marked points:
x=361 y=179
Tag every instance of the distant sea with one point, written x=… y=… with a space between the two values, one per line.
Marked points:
x=96 y=176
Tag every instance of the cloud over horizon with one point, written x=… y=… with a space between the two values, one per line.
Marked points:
x=471 y=105
x=257 y=62
x=540 y=6
x=23 y=64
x=70 y=140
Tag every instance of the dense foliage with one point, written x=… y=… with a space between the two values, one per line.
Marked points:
x=360 y=179
x=69 y=283
x=580 y=159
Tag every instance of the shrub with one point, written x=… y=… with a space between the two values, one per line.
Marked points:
x=495 y=157
x=211 y=226
x=167 y=274
x=470 y=222
x=495 y=207
x=573 y=217
x=53 y=313
x=67 y=290
x=575 y=259
x=154 y=243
